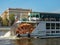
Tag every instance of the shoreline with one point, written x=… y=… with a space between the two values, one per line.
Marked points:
x=5 y=28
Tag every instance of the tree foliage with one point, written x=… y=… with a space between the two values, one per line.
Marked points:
x=0 y=19
x=11 y=19
x=5 y=22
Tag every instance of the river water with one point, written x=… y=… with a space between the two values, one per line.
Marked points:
x=29 y=41
x=26 y=41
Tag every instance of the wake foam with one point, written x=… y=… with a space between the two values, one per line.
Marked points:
x=11 y=37
x=8 y=36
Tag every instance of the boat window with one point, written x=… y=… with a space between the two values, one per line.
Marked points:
x=52 y=31
x=37 y=16
x=47 y=25
x=52 y=25
x=57 y=31
x=57 y=25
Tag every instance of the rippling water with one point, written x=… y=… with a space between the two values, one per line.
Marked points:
x=29 y=41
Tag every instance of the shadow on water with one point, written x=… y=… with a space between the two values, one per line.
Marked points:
x=53 y=41
x=27 y=41
x=23 y=41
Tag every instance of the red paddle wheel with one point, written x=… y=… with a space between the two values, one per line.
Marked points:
x=24 y=28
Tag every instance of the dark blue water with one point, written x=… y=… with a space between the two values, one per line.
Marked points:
x=30 y=41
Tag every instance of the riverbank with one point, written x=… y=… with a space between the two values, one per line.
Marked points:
x=5 y=28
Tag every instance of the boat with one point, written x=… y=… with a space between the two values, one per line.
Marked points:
x=42 y=24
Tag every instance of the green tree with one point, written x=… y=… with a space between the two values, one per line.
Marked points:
x=11 y=19
x=5 y=22
x=0 y=19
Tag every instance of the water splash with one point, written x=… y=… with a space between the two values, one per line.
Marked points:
x=8 y=36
